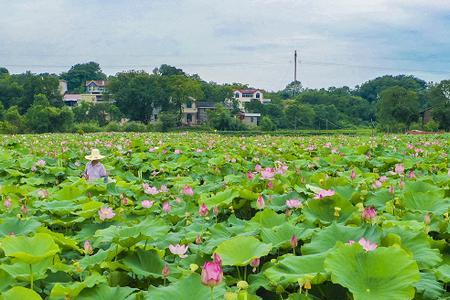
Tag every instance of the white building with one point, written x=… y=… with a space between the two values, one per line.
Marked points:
x=248 y=95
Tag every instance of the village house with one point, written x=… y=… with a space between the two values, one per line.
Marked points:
x=97 y=88
x=75 y=99
x=196 y=112
x=244 y=96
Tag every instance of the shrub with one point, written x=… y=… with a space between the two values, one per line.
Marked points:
x=87 y=127
x=134 y=126
x=432 y=125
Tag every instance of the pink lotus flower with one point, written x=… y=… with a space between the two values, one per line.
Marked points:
x=367 y=245
x=258 y=168
x=147 y=203
x=294 y=203
x=150 y=190
x=164 y=188
x=165 y=271
x=212 y=274
x=40 y=163
x=268 y=173
x=255 y=263
x=106 y=213
x=177 y=151
x=377 y=184
x=179 y=250
x=427 y=219
x=88 y=247
x=24 y=209
x=270 y=185
x=42 y=193
x=260 y=204
x=7 y=203
x=369 y=213
x=399 y=169
x=383 y=179
x=217 y=259
x=324 y=193
x=203 y=210
x=294 y=242
x=166 y=207
x=125 y=201
x=353 y=175
x=250 y=176
x=411 y=174
x=187 y=190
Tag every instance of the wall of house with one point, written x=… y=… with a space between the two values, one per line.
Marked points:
x=250 y=121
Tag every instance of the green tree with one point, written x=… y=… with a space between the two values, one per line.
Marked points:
x=14 y=119
x=138 y=93
x=3 y=71
x=181 y=89
x=167 y=70
x=372 y=89
x=254 y=106
x=267 y=124
x=397 y=108
x=167 y=121
x=78 y=74
x=439 y=98
x=299 y=116
x=292 y=89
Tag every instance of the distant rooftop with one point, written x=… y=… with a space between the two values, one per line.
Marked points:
x=248 y=91
x=97 y=82
x=206 y=104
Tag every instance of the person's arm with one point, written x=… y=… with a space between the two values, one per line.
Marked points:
x=85 y=174
x=104 y=174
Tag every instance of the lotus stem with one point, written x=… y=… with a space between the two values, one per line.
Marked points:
x=245 y=273
x=31 y=277
x=239 y=272
x=212 y=293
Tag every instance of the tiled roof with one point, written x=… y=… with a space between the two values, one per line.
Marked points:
x=248 y=91
x=97 y=82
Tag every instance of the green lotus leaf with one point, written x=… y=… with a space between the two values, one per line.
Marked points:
x=326 y=239
x=18 y=226
x=19 y=292
x=323 y=210
x=222 y=198
x=428 y=286
x=293 y=268
x=188 y=288
x=61 y=239
x=30 y=249
x=279 y=236
x=21 y=270
x=418 y=244
x=145 y=263
x=90 y=209
x=443 y=273
x=60 y=208
x=384 y=273
x=6 y=280
x=105 y=292
x=73 y=289
x=267 y=219
x=241 y=250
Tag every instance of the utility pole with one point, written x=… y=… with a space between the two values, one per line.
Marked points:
x=295 y=66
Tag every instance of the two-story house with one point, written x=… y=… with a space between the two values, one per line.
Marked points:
x=196 y=112
x=97 y=88
x=244 y=96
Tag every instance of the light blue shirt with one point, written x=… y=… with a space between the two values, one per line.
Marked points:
x=96 y=171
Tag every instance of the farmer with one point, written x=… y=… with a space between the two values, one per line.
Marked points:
x=95 y=169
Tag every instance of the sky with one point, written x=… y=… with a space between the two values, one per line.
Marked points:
x=340 y=42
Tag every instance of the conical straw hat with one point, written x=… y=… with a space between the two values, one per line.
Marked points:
x=95 y=155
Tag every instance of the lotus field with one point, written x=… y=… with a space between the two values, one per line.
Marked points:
x=204 y=216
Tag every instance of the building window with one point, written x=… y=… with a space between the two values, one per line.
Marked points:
x=189 y=104
x=189 y=118
x=251 y=120
x=247 y=95
x=155 y=117
x=236 y=95
x=257 y=95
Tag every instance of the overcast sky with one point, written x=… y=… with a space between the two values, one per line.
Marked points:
x=340 y=42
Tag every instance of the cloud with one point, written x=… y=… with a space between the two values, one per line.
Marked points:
x=340 y=42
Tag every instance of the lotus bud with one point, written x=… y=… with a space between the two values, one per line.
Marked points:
x=24 y=209
x=360 y=206
x=260 y=204
x=427 y=219
x=198 y=239
x=446 y=216
x=273 y=260
x=88 y=247
x=165 y=271
x=212 y=274
x=216 y=211
x=203 y=210
x=242 y=285
x=353 y=175
x=391 y=189
x=230 y=296
x=294 y=242
x=7 y=203
x=255 y=263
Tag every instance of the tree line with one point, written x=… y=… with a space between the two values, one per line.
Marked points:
x=32 y=103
